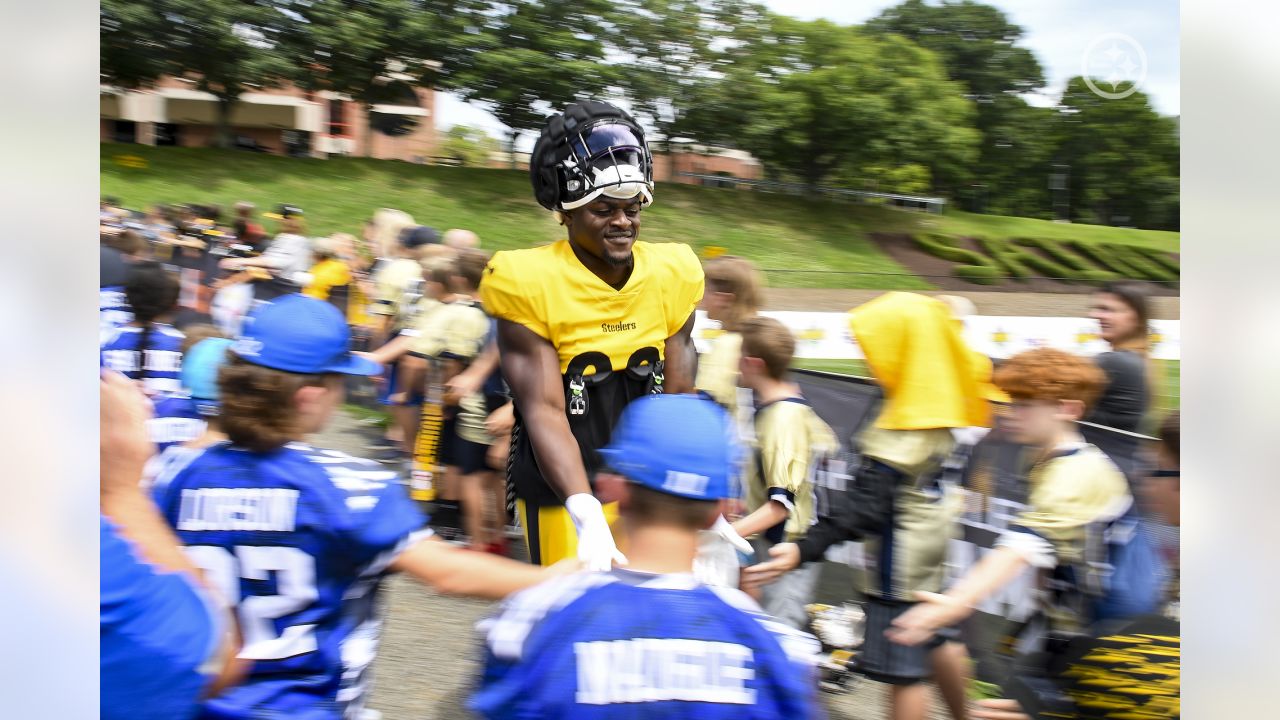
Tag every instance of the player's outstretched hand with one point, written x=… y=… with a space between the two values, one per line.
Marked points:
x=785 y=558
x=933 y=612
x=1002 y=709
x=596 y=548
x=124 y=444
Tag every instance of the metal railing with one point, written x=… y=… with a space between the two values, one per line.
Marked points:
x=907 y=202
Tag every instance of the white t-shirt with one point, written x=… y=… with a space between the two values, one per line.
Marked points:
x=289 y=255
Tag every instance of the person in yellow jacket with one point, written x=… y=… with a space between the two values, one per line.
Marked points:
x=330 y=276
x=933 y=382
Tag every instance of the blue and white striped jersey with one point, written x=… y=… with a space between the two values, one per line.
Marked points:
x=175 y=419
x=626 y=644
x=163 y=356
x=113 y=311
x=299 y=538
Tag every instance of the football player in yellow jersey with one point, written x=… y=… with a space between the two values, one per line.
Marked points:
x=585 y=325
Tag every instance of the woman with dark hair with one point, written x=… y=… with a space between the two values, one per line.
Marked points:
x=146 y=349
x=1123 y=314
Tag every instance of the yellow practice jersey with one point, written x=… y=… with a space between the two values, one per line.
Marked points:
x=790 y=441
x=1074 y=494
x=910 y=557
x=391 y=280
x=610 y=342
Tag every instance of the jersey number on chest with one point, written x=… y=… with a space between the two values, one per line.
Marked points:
x=296 y=585
x=644 y=365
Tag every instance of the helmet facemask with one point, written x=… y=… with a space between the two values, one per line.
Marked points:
x=605 y=158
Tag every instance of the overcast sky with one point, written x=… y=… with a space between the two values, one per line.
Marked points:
x=1059 y=32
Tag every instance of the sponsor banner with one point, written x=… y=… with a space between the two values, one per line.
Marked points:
x=826 y=335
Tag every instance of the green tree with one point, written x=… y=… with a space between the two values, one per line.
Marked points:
x=226 y=47
x=530 y=57
x=1016 y=157
x=471 y=146
x=1123 y=159
x=978 y=47
x=668 y=60
x=976 y=42
x=370 y=49
x=131 y=49
x=815 y=100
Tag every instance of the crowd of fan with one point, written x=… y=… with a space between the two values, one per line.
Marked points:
x=175 y=275
x=178 y=283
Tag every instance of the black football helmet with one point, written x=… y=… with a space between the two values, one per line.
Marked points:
x=591 y=149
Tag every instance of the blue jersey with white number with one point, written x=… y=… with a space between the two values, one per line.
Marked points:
x=299 y=538
x=174 y=419
x=163 y=356
x=630 y=645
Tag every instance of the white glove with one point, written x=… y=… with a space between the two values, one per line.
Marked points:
x=718 y=559
x=724 y=529
x=596 y=549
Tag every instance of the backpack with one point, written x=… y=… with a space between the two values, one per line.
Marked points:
x=1129 y=580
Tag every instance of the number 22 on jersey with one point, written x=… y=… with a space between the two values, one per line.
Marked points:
x=296 y=590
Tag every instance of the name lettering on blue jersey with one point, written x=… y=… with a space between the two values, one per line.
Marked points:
x=163 y=360
x=164 y=430
x=657 y=669
x=255 y=509
x=126 y=361
x=110 y=299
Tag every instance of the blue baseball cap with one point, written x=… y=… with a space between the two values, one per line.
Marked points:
x=200 y=372
x=677 y=444
x=300 y=334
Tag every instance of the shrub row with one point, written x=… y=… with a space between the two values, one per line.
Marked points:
x=1072 y=266
x=970 y=265
x=1022 y=258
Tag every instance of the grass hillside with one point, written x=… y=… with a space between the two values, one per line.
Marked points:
x=790 y=237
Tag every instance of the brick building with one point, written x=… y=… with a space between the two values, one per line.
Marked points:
x=703 y=160
x=289 y=121
x=282 y=121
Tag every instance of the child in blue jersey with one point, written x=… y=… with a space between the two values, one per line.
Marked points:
x=185 y=416
x=113 y=309
x=650 y=640
x=299 y=538
x=187 y=423
x=146 y=349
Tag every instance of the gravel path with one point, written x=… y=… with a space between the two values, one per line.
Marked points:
x=429 y=656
